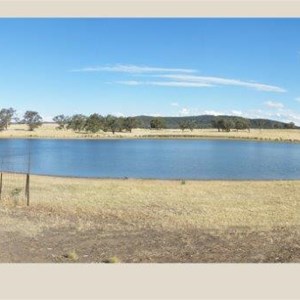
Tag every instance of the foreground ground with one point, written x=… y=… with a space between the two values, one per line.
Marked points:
x=50 y=131
x=83 y=220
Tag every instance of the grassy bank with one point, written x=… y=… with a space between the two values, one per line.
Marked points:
x=50 y=131
x=96 y=220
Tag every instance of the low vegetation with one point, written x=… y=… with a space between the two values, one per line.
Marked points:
x=90 y=220
x=50 y=131
x=96 y=123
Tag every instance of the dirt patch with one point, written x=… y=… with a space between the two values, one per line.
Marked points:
x=98 y=245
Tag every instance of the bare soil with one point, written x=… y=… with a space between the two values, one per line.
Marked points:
x=147 y=245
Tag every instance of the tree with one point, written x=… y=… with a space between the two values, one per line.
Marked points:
x=32 y=119
x=277 y=126
x=77 y=122
x=17 y=120
x=120 y=124
x=224 y=124
x=157 y=123
x=247 y=125
x=290 y=125
x=261 y=123
x=183 y=125
x=129 y=123
x=191 y=125
x=6 y=116
x=228 y=124
x=241 y=124
x=2 y=123
x=94 y=123
x=218 y=123
x=111 y=123
x=61 y=120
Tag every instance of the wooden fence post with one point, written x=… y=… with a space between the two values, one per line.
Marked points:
x=1 y=186
x=27 y=189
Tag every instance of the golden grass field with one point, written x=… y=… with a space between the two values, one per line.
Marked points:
x=105 y=220
x=50 y=131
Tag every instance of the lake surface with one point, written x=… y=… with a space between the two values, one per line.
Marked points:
x=162 y=159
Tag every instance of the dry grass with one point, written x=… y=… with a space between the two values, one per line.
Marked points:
x=169 y=204
x=119 y=209
x=50 y=131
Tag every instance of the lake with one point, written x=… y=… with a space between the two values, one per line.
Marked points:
x=161 y=159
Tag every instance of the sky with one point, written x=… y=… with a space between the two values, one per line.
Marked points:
x=159 y=67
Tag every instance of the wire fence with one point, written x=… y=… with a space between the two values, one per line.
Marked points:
x=15 y=187
x=15 y=179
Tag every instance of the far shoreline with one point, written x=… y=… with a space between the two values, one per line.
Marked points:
x=152 y=137
x=49 y=131
x=150 y=179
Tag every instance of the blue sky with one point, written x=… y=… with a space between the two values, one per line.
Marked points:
x=168 y=67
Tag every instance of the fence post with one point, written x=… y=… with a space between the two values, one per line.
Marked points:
x=27 y=188
x=1 y=186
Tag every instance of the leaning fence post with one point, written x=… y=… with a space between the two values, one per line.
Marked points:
x=1 y=186
x=27 y=188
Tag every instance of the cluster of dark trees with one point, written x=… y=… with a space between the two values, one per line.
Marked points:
x=96 y=122
x=208 y=121
x=226 y=124
x=238 y=123
x=8 y=115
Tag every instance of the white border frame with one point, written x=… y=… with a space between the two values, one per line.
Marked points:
x=153 y=281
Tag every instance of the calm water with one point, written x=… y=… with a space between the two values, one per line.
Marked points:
x=174 y=159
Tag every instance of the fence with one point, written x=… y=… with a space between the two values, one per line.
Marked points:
x=15 y=179
x=15 y=187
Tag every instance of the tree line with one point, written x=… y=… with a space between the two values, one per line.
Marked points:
x=96 y=122
x=8 y=115
x=239 y=123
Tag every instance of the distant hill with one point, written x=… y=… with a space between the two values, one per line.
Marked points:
x=205 y=121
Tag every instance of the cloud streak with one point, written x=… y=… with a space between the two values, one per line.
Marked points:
x=273 y=104
x=217 y=81
x=178 y=77
x=133 y=69
x=165 y=83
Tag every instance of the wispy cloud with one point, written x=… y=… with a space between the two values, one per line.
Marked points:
x=215 y=81
x=185 y=112
x=283 y=115
x=273 y=104
x=236 y=112
x=129 y=82
x=176 y=104
x=297 y=99
x=118 y=114
x=133 y=69
x=213 y=112
x=192 y=111
x=178 y=77
x=165 y=83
